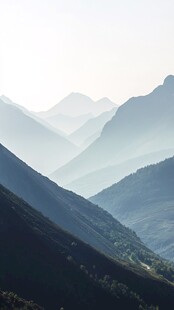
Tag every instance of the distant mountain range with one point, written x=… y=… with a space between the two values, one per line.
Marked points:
x=74 y=111
x=66 y=252
x=91 y=130
x=144 y=201
x=66 y=123
x=77 y=104
x=141 y=126
x=94 y=182
x=10 y=102
x=41 y=262
x=32 y=115
x=31 y=140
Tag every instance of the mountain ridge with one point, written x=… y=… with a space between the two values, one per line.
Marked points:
x=98 y=180
x=91 y=127
x=37 y=245
x=76 y=104
x=76 y=215
x=147 y=205
x=31 y=140
x=140 y=126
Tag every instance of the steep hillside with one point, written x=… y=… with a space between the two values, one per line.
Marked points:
x=73 y=213
x=96 y=181
x=144 y=201
x=91 y=127
x=37 y=145
x=32 y=115
x=141 y=126
x=41 y=262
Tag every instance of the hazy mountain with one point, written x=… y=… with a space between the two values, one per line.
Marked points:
x=91 y=128
x=74 y=111
x=144 y=201
x=75 y=214
x=94 y=182
x=37 y=145
x=141 y=126
x=41 y=262
x=32 y=115
x=90 y=140
x=77 y=104
x=9 y=101
x=104 y=104
x=67 y=123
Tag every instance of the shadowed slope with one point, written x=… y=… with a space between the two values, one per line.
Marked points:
x=144 y=201
x=73 y=213
x=42 y=262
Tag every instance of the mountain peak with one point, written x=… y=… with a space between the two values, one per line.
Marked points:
x=169 y=82
x=77 y=95
x=6 y=99
x=106 y=100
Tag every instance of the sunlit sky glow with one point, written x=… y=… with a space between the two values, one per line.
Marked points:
x=113 y=48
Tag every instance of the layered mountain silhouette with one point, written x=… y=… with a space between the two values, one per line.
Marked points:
x=77 y=104
x=76 y=215
x=66 y=123
x=96 y=181
x=91 y=130
x=7 y=100
x=40 y=261
x=32 y=141
x=141 y=126
x=144 y=201
x=74 y=111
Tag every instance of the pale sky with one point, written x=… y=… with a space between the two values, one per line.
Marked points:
x=101 y=48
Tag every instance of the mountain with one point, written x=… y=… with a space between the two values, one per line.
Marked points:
x=91 y=127
x=90 y=140
x=40 y=261
x=76 y=215
x=104 y=104
x=32 y=115
x=77 y=104
x=144 y=201
x=37 y=145
x=141 y=126
x=96 y=181
x=68 y=123
x=7 y=100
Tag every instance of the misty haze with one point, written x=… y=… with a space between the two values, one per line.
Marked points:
x=86 y=155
